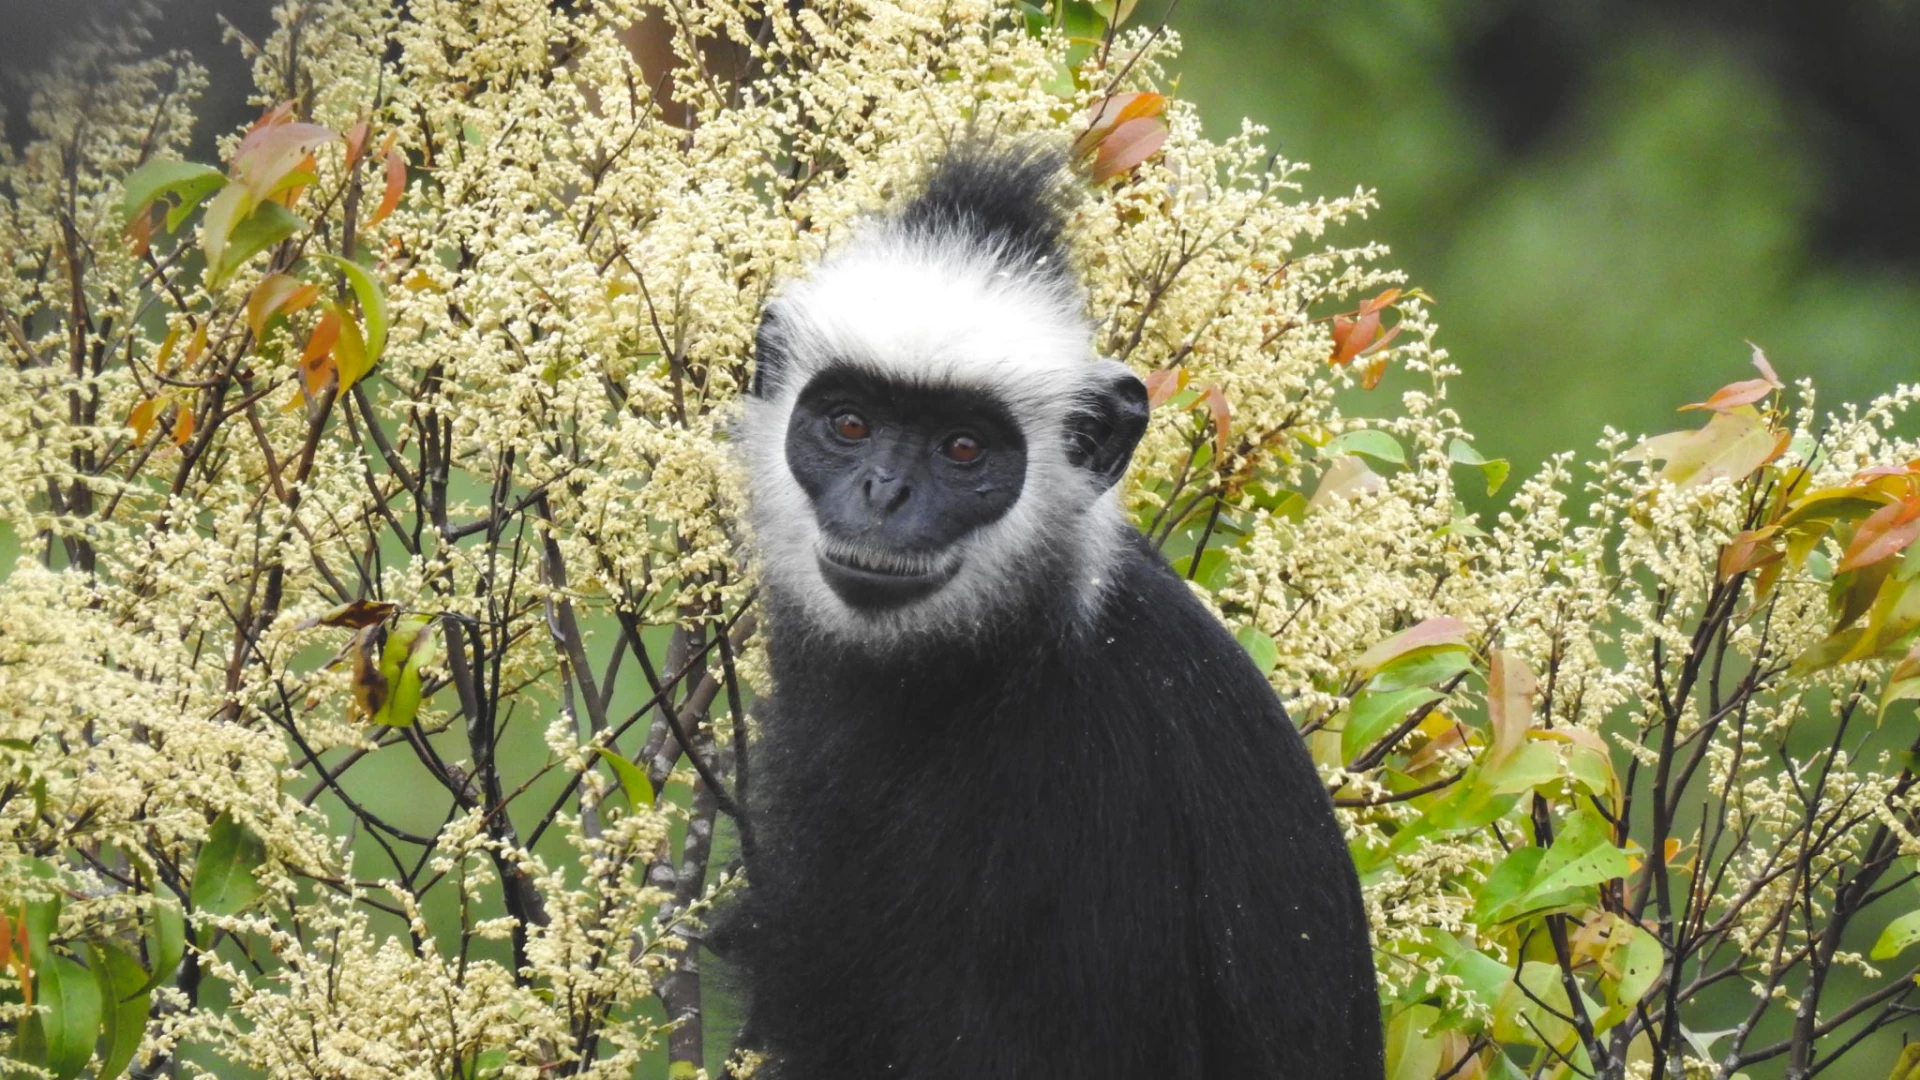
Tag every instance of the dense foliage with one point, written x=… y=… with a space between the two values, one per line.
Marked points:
x=377 y=674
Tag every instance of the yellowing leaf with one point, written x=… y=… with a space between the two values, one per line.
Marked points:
x=277 y=294
x=409 y=647
x=267 y=154
x=1510 y=690
x=142 y=418
x=350 y=354
x=1439 y=630
x=1732 y=445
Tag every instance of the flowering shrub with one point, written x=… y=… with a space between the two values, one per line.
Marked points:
x=377 y=675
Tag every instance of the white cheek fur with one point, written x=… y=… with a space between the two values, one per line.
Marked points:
x=936 y=311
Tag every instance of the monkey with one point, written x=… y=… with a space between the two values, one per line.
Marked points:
x=1023 y=808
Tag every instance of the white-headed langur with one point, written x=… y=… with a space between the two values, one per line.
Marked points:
x=1023 y=809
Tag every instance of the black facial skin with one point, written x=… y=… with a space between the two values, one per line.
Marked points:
x=897 y=473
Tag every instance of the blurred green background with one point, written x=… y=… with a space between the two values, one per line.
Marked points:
x=1607 y=197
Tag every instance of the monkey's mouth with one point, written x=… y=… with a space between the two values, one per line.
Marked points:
x=879 y=579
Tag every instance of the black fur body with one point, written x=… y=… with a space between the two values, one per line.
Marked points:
x=1098 y=854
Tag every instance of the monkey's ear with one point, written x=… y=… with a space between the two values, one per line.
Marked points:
x=769 y=352
x=1107 y=423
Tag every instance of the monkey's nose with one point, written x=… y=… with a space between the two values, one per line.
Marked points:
x=885 y=492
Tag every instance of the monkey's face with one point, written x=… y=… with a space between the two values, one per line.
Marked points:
x=898 y=476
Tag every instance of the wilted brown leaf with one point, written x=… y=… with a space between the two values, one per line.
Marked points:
x=370 y=687
x=358 y=614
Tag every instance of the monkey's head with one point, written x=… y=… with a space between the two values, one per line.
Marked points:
x=932 y=445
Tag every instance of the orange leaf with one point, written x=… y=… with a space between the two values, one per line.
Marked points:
x=140 y=232
x=386 y=144
x=1748 y=551
x=6 y=942
x=356 y=143
x=1375 y=370
x=1113 y=111
x=1734 y=395
x=277 y=294
x=1127 y=145
x=141 y=421
x=1351 y=337
x=182 y=423
x=396 y=186
x=316 y=360
x=1379 y=303
x=1222 y=419
x=1163 y=384
x=278 y=114
x=1885 y=532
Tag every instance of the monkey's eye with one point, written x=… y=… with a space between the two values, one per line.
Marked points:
x=962 y=448
x=850 y=426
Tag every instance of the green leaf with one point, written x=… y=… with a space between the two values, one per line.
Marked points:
x=410 y=646
x=1899 y=934
x=1372 y=713
x=1480 y=974
x=1422 y=667
x=632 y=780
x=1506 y=885
x=125 y=1004
x=224 y=882
x=189 y=181
x=166 y=942
x=1640 y=960
x=1375 y=444
x=1259 y=646
x=269 y=224
x=1533 y=765
x=1582 y=855
x=1495 y=470
x=682 y=1070
x=373 y=304
x=70 y=1020
x=1411 y=1053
